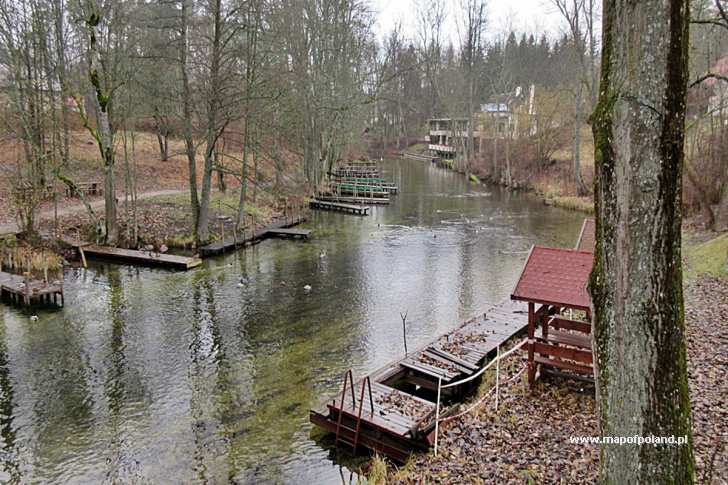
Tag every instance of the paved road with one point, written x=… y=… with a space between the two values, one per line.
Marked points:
x=12 y=228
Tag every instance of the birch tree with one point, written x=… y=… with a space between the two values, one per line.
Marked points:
x=636 y=283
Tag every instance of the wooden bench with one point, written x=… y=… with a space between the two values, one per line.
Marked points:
x=564 y=344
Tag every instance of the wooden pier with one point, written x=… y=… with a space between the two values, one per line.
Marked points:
x=232 y=243
x=392 y=410
x=290 y=233
x=346 y=199
x=359 y=210
x=419 y=156
x=22 y=291
x=144 y=258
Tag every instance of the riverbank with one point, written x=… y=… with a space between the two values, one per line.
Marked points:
x=552 y=182
x=162 y=214
x=527 y=439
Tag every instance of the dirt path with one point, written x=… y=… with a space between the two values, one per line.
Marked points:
x=12 y=228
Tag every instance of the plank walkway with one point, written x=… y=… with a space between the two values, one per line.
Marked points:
x=14 y=287
x=403 y=392
x=145 y=258
x=290 y=233
x=358 y=210
x=232 y=243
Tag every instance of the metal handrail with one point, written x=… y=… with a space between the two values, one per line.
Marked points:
x=364 y=382
x=350 y=375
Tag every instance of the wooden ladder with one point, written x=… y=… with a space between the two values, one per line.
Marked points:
x=366 y=382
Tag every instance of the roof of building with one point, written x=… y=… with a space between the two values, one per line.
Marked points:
x=555 y=276
x=587 y=236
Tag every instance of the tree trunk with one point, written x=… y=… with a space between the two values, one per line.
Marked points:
x=103 y=131
x=213 y=130
x=636 y=283
x=576 y=155
x=187 y=115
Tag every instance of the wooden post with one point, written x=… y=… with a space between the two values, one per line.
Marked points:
x=531 y=334
x=404 y=330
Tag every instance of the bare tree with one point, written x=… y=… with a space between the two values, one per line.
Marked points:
x=472 y=30
x=580 y=16
x=636 y=283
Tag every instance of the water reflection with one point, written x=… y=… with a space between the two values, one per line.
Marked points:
x=208 y=376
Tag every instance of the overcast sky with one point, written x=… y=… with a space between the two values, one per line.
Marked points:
x=523 y=15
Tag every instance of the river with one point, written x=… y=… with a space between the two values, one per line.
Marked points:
x=152 y=376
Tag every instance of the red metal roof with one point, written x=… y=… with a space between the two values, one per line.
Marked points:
x=587 y=236
x=555 y=276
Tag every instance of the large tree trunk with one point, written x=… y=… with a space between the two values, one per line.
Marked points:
x=103 y=131
x=213 y=128
x=636 y=284
x=187 y=115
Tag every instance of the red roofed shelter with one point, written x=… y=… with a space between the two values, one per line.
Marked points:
x=556 y=279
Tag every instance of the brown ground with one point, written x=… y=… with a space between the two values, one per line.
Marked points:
x=526 y=441
x=163 y=209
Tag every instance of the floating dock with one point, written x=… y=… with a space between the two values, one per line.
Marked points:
x=232 y=243
x=290 y=233
x=359 y=210
x=24 y=292
x=392 y=410
x=145 y=258
x=421 y=157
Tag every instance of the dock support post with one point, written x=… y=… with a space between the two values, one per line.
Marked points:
x=437 y=412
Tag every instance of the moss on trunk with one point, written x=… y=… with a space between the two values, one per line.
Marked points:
x=636 y=283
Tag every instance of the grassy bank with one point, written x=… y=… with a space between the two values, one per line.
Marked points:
x=706 y=256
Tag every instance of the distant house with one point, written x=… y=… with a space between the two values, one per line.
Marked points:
x=501 y=116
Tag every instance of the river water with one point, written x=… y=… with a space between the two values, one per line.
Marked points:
x=152 y=376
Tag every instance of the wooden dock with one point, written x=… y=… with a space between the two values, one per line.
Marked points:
x=392 y=410
x=144 y=258
x=354 y=200
x=290 y=233
x=232 y=243
x=24 y=292
x=359 y=210
x=421 y=157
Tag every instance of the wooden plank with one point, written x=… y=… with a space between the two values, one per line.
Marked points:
x=428 y=369
x=563 y=352
x=568 y=324
x=304 y=233
x=561 y=364
x=454 y=359
x=142 y=257
x=566 y=338
x=464 y=369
